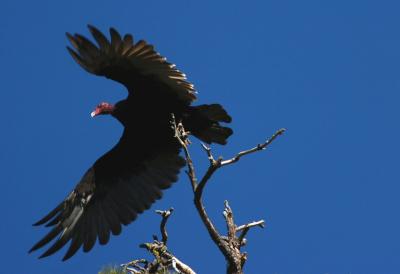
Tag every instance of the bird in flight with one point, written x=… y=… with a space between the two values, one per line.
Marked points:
x=130 y=177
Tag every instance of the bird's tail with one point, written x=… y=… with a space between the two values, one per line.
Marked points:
x=204 y=122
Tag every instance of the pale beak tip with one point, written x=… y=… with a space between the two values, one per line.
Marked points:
x=93 y=114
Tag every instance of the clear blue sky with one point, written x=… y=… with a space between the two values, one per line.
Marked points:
x=329 y=71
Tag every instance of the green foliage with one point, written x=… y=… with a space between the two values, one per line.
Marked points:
x=112 y=270
x=119 y=270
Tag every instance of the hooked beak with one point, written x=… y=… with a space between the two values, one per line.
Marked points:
x=103 y=108
x=94 y=113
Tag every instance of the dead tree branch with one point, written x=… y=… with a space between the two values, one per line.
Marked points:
x=165 y=215
x=231 y=244
x=182 y=137
x=164 y=259
x=254 y=149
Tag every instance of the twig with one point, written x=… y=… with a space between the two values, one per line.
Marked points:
x=260 y=223
x=182 y=137
x=164 y=259
x=182 y=267
x=254 y=149
x=165 y=215
x=245 y=228
x=135 y=267
x=228 y=214
x=214 y=165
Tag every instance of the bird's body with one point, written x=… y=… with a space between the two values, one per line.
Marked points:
x=126 y=180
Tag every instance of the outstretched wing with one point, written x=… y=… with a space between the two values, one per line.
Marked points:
x=118 y=187
x=136 y=65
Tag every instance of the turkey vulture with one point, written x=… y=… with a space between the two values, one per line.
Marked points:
x=130 y=177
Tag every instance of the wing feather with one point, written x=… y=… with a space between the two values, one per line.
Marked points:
x=99 y=206
x=49 y=216
x=90 y=227
x=100 y=39
x=126 y=44
x=115 y=40
x=103 y=227
x=76 y=243
x=124 y=61
x=111 y=216
x=79 y=60
x=65 y=235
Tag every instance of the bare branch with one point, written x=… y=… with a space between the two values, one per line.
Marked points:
x=245 y=228
x=260 y=223
x=207 y=149
x=254 y=149
x=165 y=215
x=183 y=268
x=180 y=134
x=135 y=267
x=228 y=214
x=164 y=259
x=182 y=137
x=229 y=246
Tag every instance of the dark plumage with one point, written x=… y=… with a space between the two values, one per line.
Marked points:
x=130 y=177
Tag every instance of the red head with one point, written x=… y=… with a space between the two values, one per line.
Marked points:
x=103 y=108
